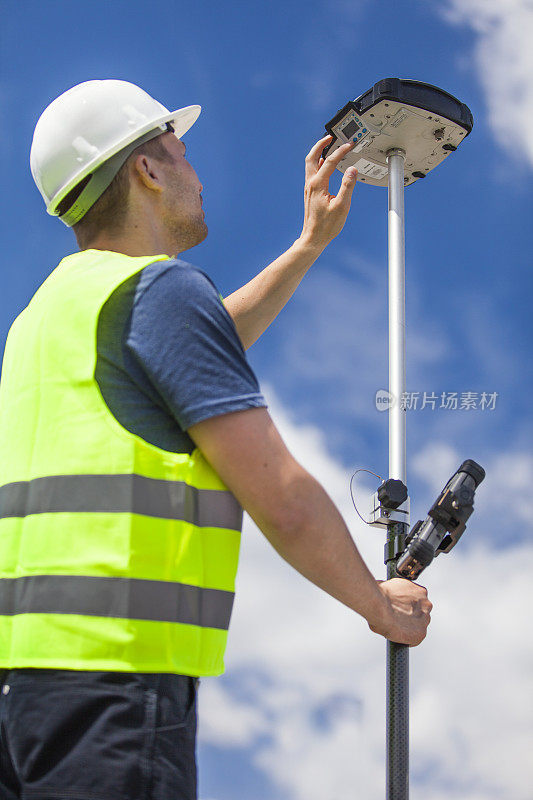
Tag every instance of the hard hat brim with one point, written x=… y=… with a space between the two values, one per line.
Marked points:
x=182 y=119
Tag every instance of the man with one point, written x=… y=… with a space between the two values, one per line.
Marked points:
x=133 y=430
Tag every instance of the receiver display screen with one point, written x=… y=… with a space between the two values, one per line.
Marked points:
x=350 y=129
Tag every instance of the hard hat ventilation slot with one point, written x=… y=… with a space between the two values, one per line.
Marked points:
x=73 y=195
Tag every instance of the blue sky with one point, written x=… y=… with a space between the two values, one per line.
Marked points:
x=268 y=76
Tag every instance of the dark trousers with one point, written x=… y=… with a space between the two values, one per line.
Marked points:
x=82 y=735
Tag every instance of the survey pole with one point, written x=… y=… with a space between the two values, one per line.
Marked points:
x=397 y=778
x=401 y=130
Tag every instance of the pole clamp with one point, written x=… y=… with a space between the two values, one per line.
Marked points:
x=395 y=151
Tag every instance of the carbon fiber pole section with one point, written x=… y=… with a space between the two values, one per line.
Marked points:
x=397 y=691
x=397 y=654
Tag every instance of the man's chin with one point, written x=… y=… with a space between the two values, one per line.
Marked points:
x=201 y=234
x=204 y=231
x=191 y=236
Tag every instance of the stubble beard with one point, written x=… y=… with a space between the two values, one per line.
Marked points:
x=188 y=232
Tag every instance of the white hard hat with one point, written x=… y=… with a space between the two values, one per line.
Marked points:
x=86 y=126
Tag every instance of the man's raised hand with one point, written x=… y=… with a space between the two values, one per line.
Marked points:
x=325 y=213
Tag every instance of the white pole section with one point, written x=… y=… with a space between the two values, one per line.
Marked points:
x=397 y=768
x=397 y=431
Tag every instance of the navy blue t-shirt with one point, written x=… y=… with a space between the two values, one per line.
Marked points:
x=169 y=356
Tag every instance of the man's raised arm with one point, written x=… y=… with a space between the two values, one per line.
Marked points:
x=302 y=523
x=254 y=306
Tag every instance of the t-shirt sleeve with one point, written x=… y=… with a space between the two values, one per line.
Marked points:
x=187 y=344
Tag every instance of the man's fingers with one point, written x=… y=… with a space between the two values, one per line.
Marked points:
x=347 y=186
x=313 y=156
x=330 y=164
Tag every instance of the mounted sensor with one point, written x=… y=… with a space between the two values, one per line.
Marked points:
x=425 y=122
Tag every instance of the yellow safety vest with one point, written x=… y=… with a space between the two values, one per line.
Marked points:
x=115 y=554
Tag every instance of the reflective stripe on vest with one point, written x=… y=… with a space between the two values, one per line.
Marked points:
x=130 y=598
x=121 y=493
x=115 y=554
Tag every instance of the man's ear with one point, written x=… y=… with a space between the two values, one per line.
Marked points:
x=149 y=172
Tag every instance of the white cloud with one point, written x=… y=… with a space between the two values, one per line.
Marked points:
x=331 y=358
x=434 y=461
x=503 y=59
x=246 y=723
x=305 y=682
x=503 y=493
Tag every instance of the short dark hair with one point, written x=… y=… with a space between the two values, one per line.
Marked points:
x=110 y=210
